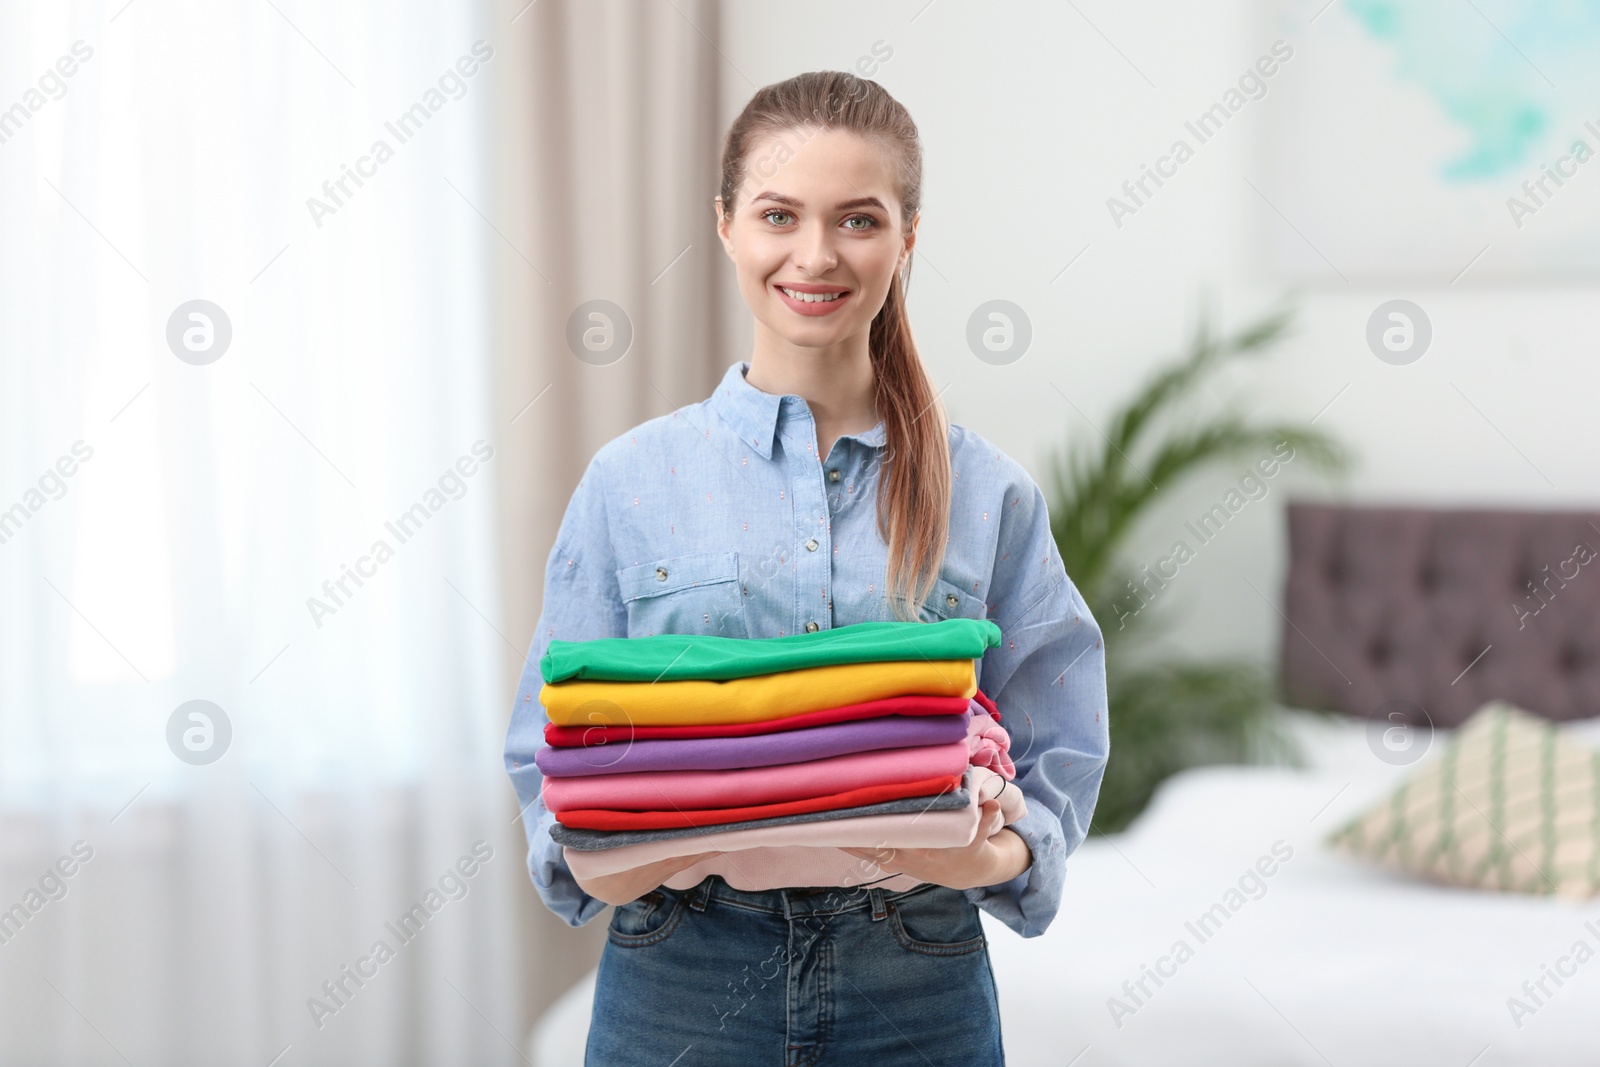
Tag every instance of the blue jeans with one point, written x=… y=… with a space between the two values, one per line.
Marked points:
x=819 y=977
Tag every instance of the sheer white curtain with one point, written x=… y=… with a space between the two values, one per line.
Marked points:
x=298 y=532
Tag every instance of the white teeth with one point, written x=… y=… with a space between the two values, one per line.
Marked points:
x=811 y=298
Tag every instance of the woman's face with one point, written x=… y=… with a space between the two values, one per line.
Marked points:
x=818 y=215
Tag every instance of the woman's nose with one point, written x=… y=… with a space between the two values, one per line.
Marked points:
x=816 y=254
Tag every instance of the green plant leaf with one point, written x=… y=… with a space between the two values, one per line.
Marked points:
x=1168 y=716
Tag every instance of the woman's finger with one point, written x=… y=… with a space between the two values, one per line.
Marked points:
x=991 y=821
x=994 y=786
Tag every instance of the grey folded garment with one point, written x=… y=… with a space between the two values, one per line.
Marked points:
x=596 y=840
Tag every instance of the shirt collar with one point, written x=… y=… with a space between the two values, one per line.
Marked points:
x=755 y=415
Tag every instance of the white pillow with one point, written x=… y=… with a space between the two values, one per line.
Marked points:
x=1338 y=744
x=1585 y=730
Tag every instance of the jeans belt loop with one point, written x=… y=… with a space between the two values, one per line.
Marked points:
x=701 y=894
x=880 y=906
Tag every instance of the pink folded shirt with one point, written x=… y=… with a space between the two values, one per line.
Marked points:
x=988 y=744
x=666 y=790
x=811 y=854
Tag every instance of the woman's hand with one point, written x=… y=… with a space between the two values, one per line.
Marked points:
x=995 y=855
x=629 y=885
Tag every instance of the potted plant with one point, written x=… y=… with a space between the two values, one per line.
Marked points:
x=1168 y=715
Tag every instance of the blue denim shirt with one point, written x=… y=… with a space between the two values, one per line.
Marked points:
x=760 y=537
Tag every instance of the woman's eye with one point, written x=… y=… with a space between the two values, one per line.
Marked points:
x=784 y=218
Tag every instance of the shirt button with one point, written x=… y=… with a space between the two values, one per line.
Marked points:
x=811 y=545
x=811 y=627
x=661 y=574
x=950 y=598
x=833 y=475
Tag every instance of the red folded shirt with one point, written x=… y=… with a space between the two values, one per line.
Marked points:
x=605 y=819
x=580 y=736
x=986 y=704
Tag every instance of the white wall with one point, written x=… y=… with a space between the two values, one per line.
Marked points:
x=1030 y=119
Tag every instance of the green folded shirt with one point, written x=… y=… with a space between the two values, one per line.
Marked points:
x=702 y=657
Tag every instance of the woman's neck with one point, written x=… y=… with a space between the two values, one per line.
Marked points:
x=837 y=386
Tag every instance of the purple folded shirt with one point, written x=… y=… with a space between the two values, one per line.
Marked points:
x=759 y=750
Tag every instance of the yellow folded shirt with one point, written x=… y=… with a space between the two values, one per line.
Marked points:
x=756 y=699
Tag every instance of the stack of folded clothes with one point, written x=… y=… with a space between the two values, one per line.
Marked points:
x=774 y=753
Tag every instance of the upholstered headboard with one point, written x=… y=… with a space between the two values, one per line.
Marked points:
x=1443 y=608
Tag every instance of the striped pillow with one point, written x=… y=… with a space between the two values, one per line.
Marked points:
x=1512 y=803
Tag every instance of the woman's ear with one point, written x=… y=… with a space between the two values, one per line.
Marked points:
x=723 y=225
x=910 y=237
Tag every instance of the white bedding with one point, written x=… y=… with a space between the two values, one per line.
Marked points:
x=1328 y=961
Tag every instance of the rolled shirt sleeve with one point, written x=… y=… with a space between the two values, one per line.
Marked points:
x=1048 y=679
x=582 y=601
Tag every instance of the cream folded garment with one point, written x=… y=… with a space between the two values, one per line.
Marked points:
x=810 y=853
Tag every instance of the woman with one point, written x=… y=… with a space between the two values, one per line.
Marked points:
x=819 y=486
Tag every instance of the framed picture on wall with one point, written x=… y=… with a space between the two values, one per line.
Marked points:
x=1435 y=141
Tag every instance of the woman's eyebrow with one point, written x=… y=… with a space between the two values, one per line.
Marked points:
x=789 y=201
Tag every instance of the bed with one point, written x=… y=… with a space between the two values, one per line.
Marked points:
x=1424 y=613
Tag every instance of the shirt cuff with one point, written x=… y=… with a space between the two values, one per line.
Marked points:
x=1028 y=902
x=557 y=887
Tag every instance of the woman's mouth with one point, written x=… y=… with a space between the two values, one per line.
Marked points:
x=809 y=301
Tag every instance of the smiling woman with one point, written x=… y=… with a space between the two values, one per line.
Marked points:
x=830 y=458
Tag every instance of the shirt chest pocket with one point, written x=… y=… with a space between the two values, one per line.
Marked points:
x=949 y=601
x=945 y=600
x=698 y=593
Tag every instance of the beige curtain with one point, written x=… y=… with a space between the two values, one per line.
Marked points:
x=609 y=138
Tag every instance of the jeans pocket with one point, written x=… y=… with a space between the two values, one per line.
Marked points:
x=939 y=921
x=649 y=920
